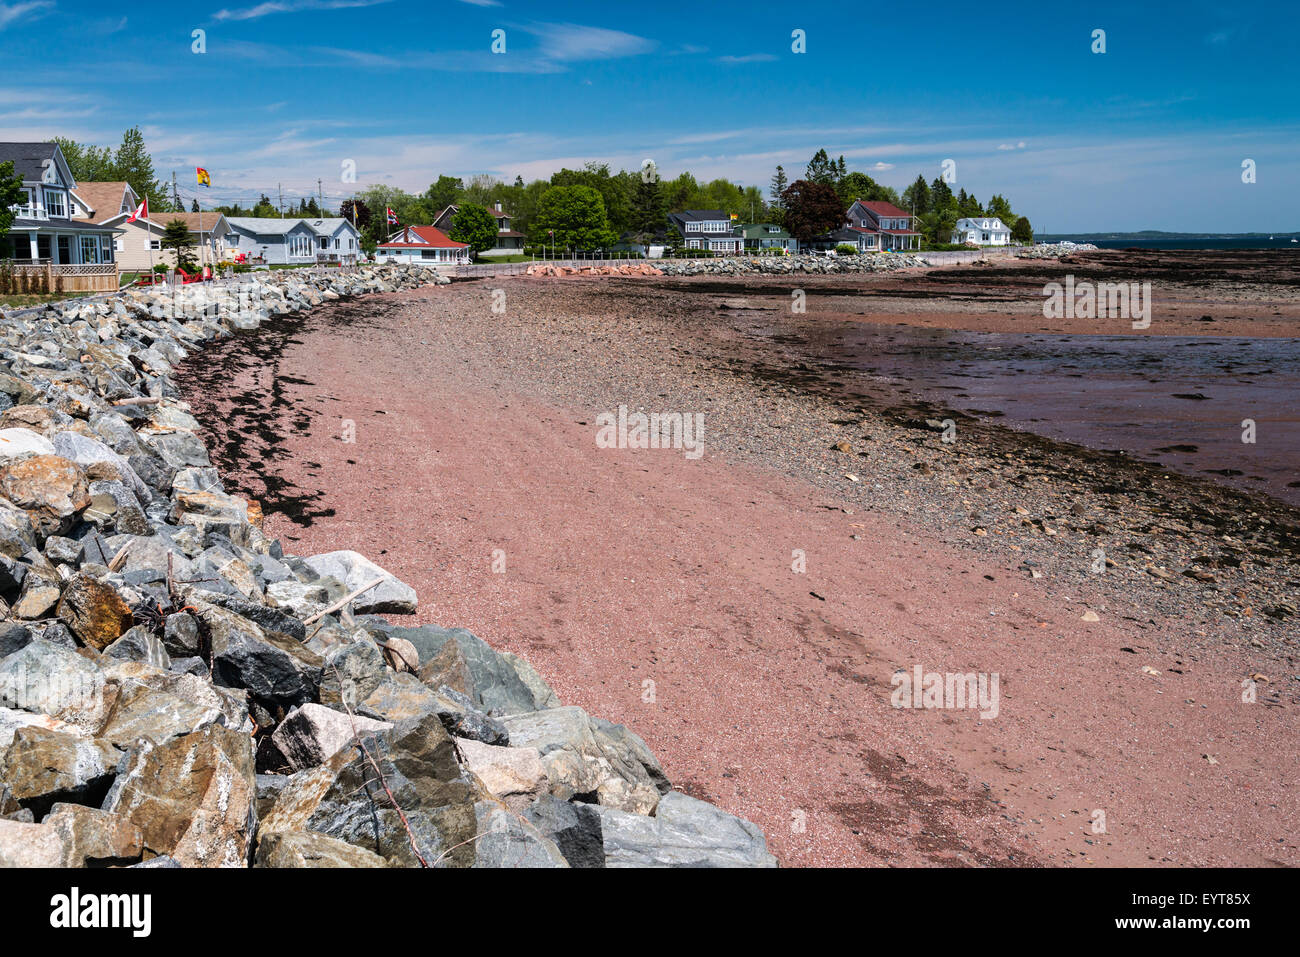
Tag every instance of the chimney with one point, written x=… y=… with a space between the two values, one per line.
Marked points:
x=498 y=205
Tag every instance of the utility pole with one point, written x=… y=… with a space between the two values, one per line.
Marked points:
x=280 y=190
x=176 y=194
x=320 y=191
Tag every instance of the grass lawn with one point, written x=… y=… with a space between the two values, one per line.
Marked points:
x=21 y=300
x=514 y=258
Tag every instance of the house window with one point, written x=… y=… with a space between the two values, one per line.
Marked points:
x=155 y=244
x=693 y=244
x=54 y=205
x=428 y=254
x=117 y=246
x=89 y=249
x=985 y=237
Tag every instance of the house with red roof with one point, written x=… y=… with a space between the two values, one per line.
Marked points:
x=882 y=226
x=422 y=246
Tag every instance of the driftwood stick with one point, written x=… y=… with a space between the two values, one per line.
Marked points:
x=145 y=400
x=119 y=559
x=341 y=602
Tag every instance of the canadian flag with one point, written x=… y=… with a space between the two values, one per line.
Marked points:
x=392 y=216
x=141 y=211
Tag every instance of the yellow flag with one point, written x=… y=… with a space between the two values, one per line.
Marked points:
x=203 y=177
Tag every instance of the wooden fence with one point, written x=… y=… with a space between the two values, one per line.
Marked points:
x=38 y=277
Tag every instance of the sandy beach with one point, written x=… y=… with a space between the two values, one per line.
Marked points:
x=746 y=611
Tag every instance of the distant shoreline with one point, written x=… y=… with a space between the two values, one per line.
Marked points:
x=1157 y=240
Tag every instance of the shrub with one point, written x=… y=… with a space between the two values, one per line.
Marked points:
x=846 y=249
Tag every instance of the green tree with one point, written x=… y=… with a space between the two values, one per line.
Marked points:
x=941 y=197
x=572 y=217
x=857 y=185
x=88 y=163
x=779 y=184
x=447 y=191
x=822 y=169
x=917 y=196
x=133 y=164
x=648 y=213
x=264 y=209
x=176 y=237
x=968 y=206
x=811 y=209
x=475 y=226
x=10 y=193
x=999 y=207
x=1022 y=231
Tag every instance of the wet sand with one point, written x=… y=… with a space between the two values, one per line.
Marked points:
x=771 y=687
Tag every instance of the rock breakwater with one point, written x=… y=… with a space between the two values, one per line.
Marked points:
x=176 y=690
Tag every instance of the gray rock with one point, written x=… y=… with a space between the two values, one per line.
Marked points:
x=683 y=833
x=573 y=828
x=312 y=734
x=355 y=570
x=139 y=644
x=506 y=840
x=277 y=671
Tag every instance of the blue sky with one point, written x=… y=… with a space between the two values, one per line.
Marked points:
x=1150 y=134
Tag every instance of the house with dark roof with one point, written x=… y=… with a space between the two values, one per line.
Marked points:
x=422 y=246
x=711 y=229
x=764 y=237
x=510 y=242
x=44 y=232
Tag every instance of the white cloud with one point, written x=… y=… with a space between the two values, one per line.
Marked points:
x=747 y=58
x=571 y=41
x=291 y=6
x=12 y=13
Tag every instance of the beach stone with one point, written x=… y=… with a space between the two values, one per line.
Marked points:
x=94 y=612
x=507 y=840
x=177 y=449
x=276 y=670
x=312 y=849
x=140 y=712
x=264 y=616
x=65 y=551
x=30 y=845
x=210 y=511
x=49 y=488
x=50 y=679
x=301 y=601
x=515 y=775
x=312 y=734
x=42 y=766
x=17 y=533
x=345 y=799
x=544 y=695
x=14 y=637
x=497 y=688
x=38 y=598
x=22 y=443
x=94 y=838
x=581 y=760
x=88 y=452
x=139 y=644
x=181 y=635
x=573 y=828
x=355 y=570
x=113 y=505
x=192 y=798
x=352 y=673
x=684 y=832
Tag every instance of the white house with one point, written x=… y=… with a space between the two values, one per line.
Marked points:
x=422 y=246
x=285 y=241
x=982 y=231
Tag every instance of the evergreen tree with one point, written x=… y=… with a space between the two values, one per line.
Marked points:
x=194 y=205
x=648 y=213
x=133 y=164
x=779 y=186
x=821 y=169
x=176 y=237
x=917 y=196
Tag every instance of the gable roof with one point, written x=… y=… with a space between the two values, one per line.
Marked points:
x=977 y=222
x=191 y=220
x=105 y=199
x=265 y=225
x=29 y=160
x=881 y=208
x=421 y=237
x=700 y=215
x=760 y=231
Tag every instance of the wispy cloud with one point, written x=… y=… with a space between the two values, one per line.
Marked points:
x=571 y=41
x=748 y=58
x=12 y=13
x=291 y=6
x=1019 y=145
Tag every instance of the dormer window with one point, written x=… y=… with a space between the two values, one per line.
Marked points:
x=54 y=204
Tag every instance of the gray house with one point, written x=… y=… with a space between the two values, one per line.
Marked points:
x=293 y=241
x=707 y=229
x=44 y=232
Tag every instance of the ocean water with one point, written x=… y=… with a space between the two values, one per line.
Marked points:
x=1256 y=243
